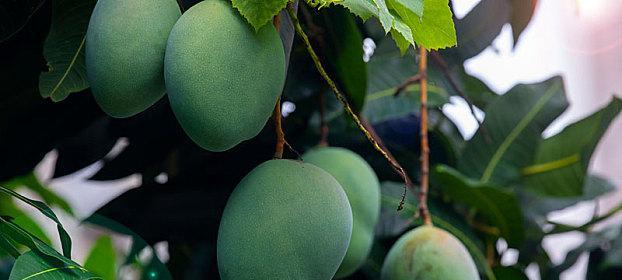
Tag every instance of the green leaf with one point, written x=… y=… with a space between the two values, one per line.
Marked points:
x=514 y=123
x=21 y=236
x=102 y=259
x=64 y=49
x=155 y=266
x=384 y=16
x=259 y=12
x=431 y=23
x=364 y=9
x=31 y=182
x=8 y=247
x=343 y=49
x=499 y=206
x=387 y=69
x=539 y=206
x=45 y=210
x=561 y=161
x=8 y=208
x=481 y=26
x=28 y=224
x=394 y=223
x=35 y=266
x=384 y=105
x=402 y=35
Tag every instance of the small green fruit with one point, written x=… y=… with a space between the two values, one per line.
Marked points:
x=363 y=190
x=285 y=220
x=428 y=253
x=222 y=77
x=125 y=44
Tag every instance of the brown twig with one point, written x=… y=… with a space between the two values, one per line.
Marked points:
x=424 y=213
x=405 y=177
x=298 y=156
x=323 y=125
x=440 y=62
x=340 y=96
x=490 y=253
x=410 y=81
x=280 y=135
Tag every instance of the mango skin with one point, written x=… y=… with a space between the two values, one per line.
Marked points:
x=428 y=253
x=285 y=220
x=361 y=185
x=222 y=78
x=125 y=45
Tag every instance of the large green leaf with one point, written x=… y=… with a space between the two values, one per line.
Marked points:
x=384 y=105
x=64 y=49
x=47 y=211
x=16 y=234
x=35 y=266
x=481 y=26
x=393 y=223
x=259 y=12
x=514 y=123
x=7 y=247
x=387 y=69
x=538 y=207
x=342 y=46
x=499 y=206
x=102 y=259
x=431 y=23
x=561 y=161
x=8 y=208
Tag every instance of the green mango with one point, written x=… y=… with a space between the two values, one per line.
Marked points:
x=428 y=253
x=222 y=78
x=363 y=190
x=125 y=45
x=285 y=220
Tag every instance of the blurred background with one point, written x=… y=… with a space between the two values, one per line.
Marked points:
x=582 y=41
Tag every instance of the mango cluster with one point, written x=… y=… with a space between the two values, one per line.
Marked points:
x=293 y=220
x=222 y=78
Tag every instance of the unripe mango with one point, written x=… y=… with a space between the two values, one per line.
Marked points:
x=222 y=77
x=285 y=220
x=428 y=253
x=363 y=190
x=125 y=45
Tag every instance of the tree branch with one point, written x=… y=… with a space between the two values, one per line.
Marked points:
x=280 y=135
x=342 y=99
x=410 y=81
x=425 y=148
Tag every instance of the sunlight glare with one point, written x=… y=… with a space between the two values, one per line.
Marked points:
x=591 y=8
